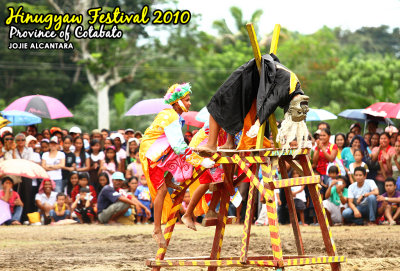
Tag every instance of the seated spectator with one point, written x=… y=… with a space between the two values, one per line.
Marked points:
x=83 y=181
x=143 y=195
x=325 y=181
x=112 y=204
x=336 y=200
x=361 y=199
x=388 y=202
x=13 y=199
x=395 y=160
x=103 y=181
x=72 y=182
x=46 y=198
x=83 y=206
x=61 y=210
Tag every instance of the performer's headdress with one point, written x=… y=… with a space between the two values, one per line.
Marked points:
x=177 y=92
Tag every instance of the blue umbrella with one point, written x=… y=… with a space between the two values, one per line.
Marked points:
x=320 y=114
x=20 y=118
x=358 y=115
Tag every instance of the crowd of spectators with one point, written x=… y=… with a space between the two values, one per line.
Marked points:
x=97 y=178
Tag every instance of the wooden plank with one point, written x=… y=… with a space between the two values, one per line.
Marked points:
x=330 y=246
x=292 y=210
x=296 y=181
x=213 y=221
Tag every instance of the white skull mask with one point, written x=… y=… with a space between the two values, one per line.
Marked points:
x=298 y=108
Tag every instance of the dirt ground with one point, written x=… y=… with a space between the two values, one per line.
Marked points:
x=98 y=247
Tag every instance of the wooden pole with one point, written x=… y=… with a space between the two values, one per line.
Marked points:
x=257 y=57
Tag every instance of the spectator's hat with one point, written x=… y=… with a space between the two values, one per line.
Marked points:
x=96 y=131
x=37 y=145
x=54 y=139
x=110 y=147
x=5 y=129
x=134 y=139
x=45 y=140
x=75 y=130
x=118 y=176
x=54 y=130
x=115 y=135
x=28 y=139
x=391 y=130
x=355 y=125
x=129 y=130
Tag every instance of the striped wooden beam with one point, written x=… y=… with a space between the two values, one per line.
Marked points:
x=296 y=181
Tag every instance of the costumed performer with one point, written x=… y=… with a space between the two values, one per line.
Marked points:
x=163 y=152
x=200 y=187
x=232 y=107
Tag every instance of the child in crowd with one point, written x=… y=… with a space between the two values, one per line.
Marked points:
x=135 y=168
x=333 y=173
x=110 y=163
x=84 y=182
x=358 y=156
x=395 y=169
x=299 y=197
x=103 y=181
x=61 y=209
x=72 y=182
x=185 y=203
x=336 y=200
x=69 y=165
x=83 y=206
x=143 y=195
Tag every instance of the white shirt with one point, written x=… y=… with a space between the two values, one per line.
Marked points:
x=98 y=157
x=302 y=195
x=121 y=154
x=44 y=199
x=52 y=161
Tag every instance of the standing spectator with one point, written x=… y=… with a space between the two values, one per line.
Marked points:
x=108 y=142
x=44 y=146
x=110 y=163
x=349 y=138
x=82 y=161
x=72 y=182
x=372 y=126
x=25 y=188
x=393 y=132
x=129 y=133
x=103 y=181
x=105 y=133
x=300 y=201
x=389 y=202
x=325 y=152
x=358 y=162
x=121 y=153
x=361 y=199
x=46 y=134
x=30 y=142
x=355 y=128
x=383 y=155
x=70 y=164
x=348 y=153
x=96 y=156
x=340 y=141
x=133 y=144
x=61 y=210
x=112 y=204
x=143 y=195
x=75 y=132
x=367 y=138
x=12 y=198
x=96 y=135
x=53 y=161
x=31 y=130
x=138 y=135
x=395 y=168
x=336 y=200
x=374 y=140
x=135 y=168
x=46 y=198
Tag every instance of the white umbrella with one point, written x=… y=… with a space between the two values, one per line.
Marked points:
x=320 y=114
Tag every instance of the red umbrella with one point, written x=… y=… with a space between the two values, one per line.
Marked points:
x=190 y=119
x=380 y=109
x=394 y=112
x=24 y=168
x=42 y=106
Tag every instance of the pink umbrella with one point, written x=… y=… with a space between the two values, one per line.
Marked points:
x=190 y=119
x=380 y=109
x=147 y=107
x=42 y=106
x=394 y=112
x=24 y=168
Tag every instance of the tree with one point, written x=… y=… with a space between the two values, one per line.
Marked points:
x=108 y=62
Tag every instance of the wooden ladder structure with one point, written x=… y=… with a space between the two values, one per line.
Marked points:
x=268 y=161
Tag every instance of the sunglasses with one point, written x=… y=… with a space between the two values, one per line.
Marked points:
x=20 y=140
x=8 y=138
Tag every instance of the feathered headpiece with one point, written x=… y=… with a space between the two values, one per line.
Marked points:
x=177 y=92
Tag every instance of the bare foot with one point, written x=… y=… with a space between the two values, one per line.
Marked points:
x=187 y=220
x=206 y=150
x=15 y=222
x=227 y=146
x=159 y=237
